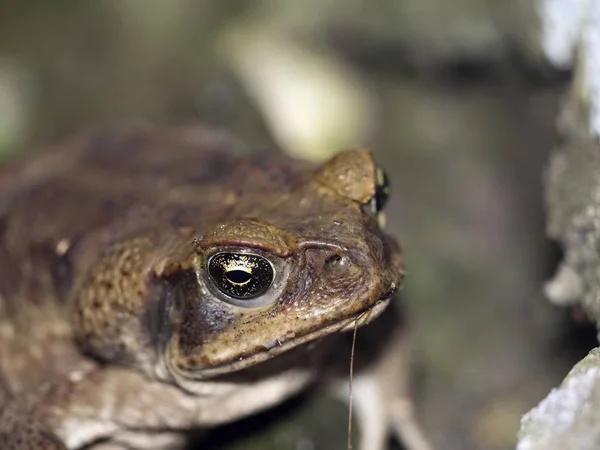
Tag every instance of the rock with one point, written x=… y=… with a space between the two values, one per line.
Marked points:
x=573 y=205
x=569 y=417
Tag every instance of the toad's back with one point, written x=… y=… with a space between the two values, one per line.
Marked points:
x=89 y=182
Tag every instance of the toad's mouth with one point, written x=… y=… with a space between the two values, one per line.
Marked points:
x=280 y=346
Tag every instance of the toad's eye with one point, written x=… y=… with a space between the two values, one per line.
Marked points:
x=382 y=192
x=240 y=275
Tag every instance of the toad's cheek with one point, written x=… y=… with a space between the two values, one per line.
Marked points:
x=224 y=356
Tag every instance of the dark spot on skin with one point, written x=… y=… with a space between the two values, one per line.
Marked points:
x=58 y=264
x=104 y=143
x=200 y=324
x=178 y=216
x=218 y=166
x=266 y=170
x=156 y=325
x=110 y=143
x=108 y=206
x=3 y=227
x=10 y=275
x=136 y=142
x=62 y=272
x=262 y=163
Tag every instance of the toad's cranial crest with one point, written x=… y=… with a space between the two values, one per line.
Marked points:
x=178 y=280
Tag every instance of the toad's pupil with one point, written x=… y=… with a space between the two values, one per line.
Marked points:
x=238 y=276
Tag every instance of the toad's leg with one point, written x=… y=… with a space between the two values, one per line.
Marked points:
x=370 y=413
x=381 y=385
x=150 y=441
x=71 y=414
x=23 y=432
x=125 y=407
x=380 y=407
x=390 y=379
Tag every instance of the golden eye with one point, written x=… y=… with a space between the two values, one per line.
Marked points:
x=240 y=275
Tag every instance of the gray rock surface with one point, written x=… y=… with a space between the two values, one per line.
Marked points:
x=573 y=205
x=573 y=180
x=569 y=417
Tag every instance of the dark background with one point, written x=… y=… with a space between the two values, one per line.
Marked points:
x=452 y=96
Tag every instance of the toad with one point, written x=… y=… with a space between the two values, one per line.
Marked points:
x=158 y=280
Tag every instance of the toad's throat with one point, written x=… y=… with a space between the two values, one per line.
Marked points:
x=278 y=346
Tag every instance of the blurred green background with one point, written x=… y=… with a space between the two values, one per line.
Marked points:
x=452 y=96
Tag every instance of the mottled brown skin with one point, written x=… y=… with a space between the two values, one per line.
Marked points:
x=110 y=328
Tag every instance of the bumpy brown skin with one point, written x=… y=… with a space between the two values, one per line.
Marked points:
x=109 y=326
